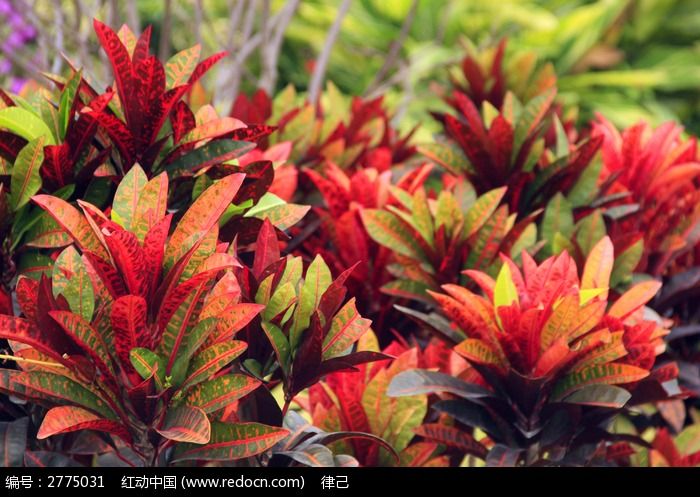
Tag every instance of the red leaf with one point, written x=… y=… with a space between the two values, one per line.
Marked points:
x=182 y=120
x=120 y=60
x=267 y=248
x=56 y=170
x=204 y=66
x=73 y=222
x=129 y=258
x=110 y=277
x=20 y=330
x=452 y=437
x=129 y=321
x=66 y=419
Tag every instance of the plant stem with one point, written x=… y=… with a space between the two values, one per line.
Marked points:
x=7 y=357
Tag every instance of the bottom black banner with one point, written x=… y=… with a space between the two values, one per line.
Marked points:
x=333 y=481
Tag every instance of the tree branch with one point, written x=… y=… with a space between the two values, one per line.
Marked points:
x=272 y=44
x=320 y=67
x=164 y=44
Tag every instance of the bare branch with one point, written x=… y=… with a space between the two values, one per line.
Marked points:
x=322 y=62
x=264 y=51
x=198 y=21
x=272 y=46
x=58 y=38
x=113 y=14
x=233 y=22
x=132 y=17
x=164 y=45
x=394 y=49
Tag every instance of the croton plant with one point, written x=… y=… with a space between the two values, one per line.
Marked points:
x=298 y=283
x=552 y=358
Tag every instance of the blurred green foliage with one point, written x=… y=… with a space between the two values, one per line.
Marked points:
x=629 y=59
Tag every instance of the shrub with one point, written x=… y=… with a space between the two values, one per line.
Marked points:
x=554 y=363
x=433 y=240
x=358 y=402
x=654 y=172
x=309 y=326
x=351 y=136
x=133 y=337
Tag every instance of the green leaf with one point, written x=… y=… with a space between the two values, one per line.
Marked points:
x=482 y=209
x=66 y=103
x=530 y=117
x=186 y=424
x=377 y=404
x=126 y=198
x=505 y=293
x=25 y=124
x=318 y=279
x=562 y=149
x=181 y=65
x=214 y=152
x=151 y=207
x=589 y=231
x=193 y=338
x=408 y=414
x=279 y=344
x=387 y=230
x=220 y=392
x=283 y=216
x=281 y=299
x=346 y=328
x=625 y=263
x=230 y=442
x=448 y=155
x=71 y=279
x=148 y=364
x=584 y=190
x=61 y=390
x=605 y=374
x=600 y=396
x=418 y=382
x=447 y=211
x=211 y=360
x=475 y=350
x=46 y=233
x=598 y=266
x=558 y=218
x=422 y=218
x=202 y=215
x=26 y=176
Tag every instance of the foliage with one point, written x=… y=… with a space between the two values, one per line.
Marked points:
x=351 y=136
x=132 y=333
x=308 y=327
x=434 y=239
x=553 y=361
x=312 y=280
x=358 y=401
x=655 y=172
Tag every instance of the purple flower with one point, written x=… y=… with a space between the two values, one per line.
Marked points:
x=17 y=85
x=14 y=40
x=5 y=66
